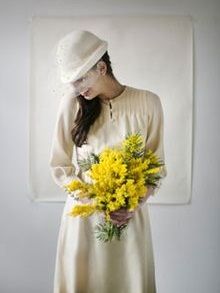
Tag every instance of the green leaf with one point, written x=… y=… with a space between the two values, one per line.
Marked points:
x=86 y=164
x=106 y=231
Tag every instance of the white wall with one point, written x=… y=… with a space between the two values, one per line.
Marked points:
x=186 y=238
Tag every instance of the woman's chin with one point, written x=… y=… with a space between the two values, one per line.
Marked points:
x=87 y=95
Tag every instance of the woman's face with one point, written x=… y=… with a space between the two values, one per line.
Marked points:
x=89 y=84
x=91 y=91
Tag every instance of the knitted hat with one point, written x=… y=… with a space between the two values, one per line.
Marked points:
x=77 y=52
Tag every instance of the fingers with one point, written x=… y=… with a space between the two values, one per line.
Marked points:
x=119 y=222
x=150 y=191
x=121 y=216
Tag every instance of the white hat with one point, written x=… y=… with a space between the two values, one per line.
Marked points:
x=77 y=52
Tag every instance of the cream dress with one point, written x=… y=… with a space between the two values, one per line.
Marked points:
x=83 y=263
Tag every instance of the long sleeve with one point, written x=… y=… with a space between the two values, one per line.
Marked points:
x=61 y=166
x=155 y=135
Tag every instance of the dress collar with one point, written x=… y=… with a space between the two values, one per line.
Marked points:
x=117 y=98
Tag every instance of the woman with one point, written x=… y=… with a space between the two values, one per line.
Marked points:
x=100 y=112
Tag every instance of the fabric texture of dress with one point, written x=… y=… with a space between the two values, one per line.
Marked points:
x=83 y=263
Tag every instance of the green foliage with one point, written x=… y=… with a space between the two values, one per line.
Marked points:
x=86 y=164
x=106 y=231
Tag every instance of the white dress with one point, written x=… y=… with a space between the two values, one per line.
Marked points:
x=83 y=263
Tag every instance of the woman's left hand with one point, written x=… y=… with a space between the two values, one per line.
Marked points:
x=123 y=215
x=150 y=191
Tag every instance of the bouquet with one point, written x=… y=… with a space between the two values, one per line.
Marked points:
x=119 y=179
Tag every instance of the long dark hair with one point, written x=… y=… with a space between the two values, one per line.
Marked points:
x=89 y=110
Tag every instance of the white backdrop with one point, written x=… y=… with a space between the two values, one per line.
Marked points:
x=186 y=238
x=149 y=52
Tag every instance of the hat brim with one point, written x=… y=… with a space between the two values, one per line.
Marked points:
x=70 y=76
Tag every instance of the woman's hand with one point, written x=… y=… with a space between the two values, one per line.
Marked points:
x=150 y=191
x=122 y=216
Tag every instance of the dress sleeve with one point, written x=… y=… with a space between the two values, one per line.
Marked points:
x=61 y=151
x=155 y=132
